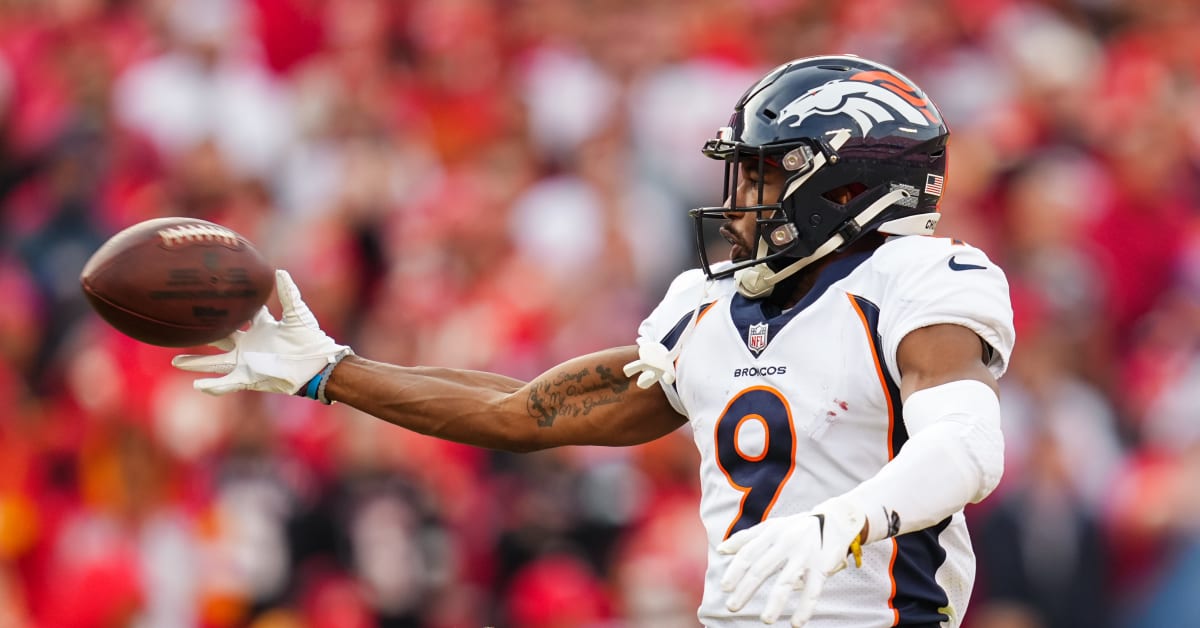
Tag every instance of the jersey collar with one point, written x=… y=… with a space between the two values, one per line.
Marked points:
x=746 y=312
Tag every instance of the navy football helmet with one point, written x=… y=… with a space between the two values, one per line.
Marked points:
x=829 y=122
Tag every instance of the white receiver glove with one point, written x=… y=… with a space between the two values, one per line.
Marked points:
x=272 y=355
x=654 y=364
x=805 y=549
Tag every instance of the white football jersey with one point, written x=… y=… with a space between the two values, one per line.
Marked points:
x=791 y=408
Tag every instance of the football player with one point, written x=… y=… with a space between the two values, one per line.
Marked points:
x=838 y=371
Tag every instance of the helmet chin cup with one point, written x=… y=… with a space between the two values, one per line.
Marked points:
x=755 y=282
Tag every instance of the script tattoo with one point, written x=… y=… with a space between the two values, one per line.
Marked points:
x=575 y=393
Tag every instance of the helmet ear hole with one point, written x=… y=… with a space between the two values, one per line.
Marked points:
x=845 y=193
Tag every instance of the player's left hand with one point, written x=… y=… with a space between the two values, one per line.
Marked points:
x=272 y=355
x=804 y=549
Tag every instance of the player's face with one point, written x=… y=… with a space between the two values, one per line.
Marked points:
x=754 y=188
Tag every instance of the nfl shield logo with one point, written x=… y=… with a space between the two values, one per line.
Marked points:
x=757 y=339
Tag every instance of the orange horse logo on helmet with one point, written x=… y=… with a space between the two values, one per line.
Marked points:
x=868 y=98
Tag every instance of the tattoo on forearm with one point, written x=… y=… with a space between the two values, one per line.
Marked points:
x=576 y=377
x=575 y=394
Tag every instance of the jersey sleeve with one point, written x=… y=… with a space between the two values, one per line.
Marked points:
x=939 y=280
x=667 y=323
x=672 y=312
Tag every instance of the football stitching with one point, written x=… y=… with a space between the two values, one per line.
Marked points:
x=184 y=234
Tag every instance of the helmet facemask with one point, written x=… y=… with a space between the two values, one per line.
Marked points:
x=782 y=249
x=775 y=235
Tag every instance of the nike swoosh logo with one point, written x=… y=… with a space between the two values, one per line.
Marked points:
x=956 y=266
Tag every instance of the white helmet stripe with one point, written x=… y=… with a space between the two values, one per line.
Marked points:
x=819 y=161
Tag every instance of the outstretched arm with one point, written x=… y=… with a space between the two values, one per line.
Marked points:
x=584 y=401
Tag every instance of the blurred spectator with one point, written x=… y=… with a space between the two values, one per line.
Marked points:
x=208 y=85
x=556 y=592
x=1041 y=549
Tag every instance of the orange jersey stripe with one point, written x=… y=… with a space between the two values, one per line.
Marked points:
x=891 y=411
x=892 y=578
x=703 y=310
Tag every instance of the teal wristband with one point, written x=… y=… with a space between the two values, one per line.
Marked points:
x=325 y=374
x=310 y=389
x=315 y=388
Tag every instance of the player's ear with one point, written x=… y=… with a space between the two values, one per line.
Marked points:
x=845 y=193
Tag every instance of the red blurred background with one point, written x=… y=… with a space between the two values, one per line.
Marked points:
x=502 y=184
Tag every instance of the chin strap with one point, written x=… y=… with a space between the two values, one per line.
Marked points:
x=759 y=280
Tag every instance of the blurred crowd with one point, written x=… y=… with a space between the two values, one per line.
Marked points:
x=502 y=184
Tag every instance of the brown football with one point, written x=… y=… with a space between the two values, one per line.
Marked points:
x=177 y=282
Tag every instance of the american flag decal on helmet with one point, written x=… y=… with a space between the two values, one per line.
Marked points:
x=933 y=184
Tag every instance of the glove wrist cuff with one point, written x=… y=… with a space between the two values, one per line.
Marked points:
x=315 y=388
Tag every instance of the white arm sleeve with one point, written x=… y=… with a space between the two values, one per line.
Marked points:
x=954 y=456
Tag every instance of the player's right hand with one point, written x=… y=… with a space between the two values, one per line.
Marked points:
x=271 y=355
x=804 y=549
x=654 y=364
